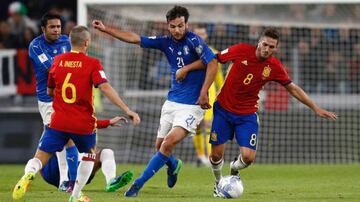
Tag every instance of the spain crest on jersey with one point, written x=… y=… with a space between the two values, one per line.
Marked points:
x=266 y=72
x=213 y=136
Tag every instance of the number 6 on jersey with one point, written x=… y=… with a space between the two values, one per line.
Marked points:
x=72 y=87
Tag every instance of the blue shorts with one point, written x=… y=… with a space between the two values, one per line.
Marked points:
x=226 y=124
x=55 y=140
x=50 y=172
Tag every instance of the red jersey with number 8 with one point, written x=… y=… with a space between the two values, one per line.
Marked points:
x=72 y=76
x=246 y=77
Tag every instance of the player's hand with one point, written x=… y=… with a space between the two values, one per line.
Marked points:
x=97 y=24
x=180 y=74
x=118 y=121
x=134 y=117
x=326 y=114
x=203 y=101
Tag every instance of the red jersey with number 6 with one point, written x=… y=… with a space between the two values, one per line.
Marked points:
x=246 y=77
x=72 y=76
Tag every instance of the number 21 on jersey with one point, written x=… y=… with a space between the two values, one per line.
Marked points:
x=180 y=62
x=67 y=85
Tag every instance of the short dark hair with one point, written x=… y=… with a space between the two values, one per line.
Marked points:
x=271 y=32
x=176 y=12
x=49 y=16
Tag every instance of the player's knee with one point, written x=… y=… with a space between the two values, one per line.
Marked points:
x=157 y=146
x=215 y=157
x=248 y=159
x=158 y=143
x=167 y=146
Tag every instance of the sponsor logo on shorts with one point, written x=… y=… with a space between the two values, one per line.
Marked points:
x=189 y=121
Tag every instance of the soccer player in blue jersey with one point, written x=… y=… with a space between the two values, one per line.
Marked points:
x=186 y=101
x=42 y=51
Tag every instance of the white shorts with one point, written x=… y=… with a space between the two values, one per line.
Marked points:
x=45 y=109
x=176 y=114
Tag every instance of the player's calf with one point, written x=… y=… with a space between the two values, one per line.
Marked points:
x=84 y=171
x=237 y=165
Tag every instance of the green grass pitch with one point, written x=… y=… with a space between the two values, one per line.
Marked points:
x=261 y=183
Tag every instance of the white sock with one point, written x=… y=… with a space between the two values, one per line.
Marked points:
x=108 y=165
x=33 y=165
x=63 y=168
x=239 y=164
x=216 y=168
x=83 y=173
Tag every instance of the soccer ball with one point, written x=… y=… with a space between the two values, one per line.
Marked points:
x=230 y=186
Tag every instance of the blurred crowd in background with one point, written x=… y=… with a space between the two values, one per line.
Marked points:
x=20 y=20
x=322 y=60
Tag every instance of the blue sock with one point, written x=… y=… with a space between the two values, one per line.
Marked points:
x=172 y=162
x=156 y=162
x=72 y=156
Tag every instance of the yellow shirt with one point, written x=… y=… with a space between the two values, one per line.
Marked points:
x=214 y=89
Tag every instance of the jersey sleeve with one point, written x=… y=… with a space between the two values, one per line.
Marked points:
x=202 y=50
x=102 y=123
x=98 y=75
x=154 y=42
x=230 y=53
x=281 y=76
x=39 y=56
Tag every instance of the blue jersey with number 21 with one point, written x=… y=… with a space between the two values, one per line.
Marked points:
x=181 y=53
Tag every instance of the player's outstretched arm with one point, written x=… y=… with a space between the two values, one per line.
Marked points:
x=114 y=97
x=299 y=94
x=117 y=121
x=182 y=72
x=211 y=70
x=129 y=37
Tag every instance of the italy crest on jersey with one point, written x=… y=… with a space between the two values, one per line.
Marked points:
x=266 y=72
x=199 y=49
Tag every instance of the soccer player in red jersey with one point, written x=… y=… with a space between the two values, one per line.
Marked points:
x=237 y=103
x=70 y=82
